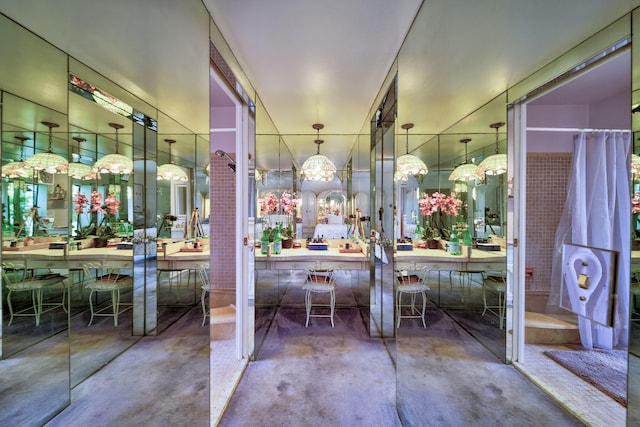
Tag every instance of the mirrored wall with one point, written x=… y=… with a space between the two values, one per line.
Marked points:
x=92 y=214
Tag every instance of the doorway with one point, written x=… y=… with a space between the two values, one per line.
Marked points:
x=597 y=98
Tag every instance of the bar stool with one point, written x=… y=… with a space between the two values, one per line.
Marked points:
x=320 y=282
x=494 y=281
x=411 y=284
x=113 y=283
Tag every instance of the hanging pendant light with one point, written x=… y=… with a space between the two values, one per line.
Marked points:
x=318 y=167
x=17 y=169
x=467 y=171
x=48 y=161
x=79 y=170
x=169 y=171
x=495 y=164
x=408 y=164
x=116 y=164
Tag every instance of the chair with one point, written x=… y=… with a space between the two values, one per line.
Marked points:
x=411 y=284
x=202 y=272
x=496 y=282
x=35 y=285
x=111 y=282
x=319 y=282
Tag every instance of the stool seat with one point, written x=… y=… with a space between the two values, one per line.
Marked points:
x=320 y=282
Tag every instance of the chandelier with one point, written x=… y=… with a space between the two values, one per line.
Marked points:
x=169 y=171
x=116 y=164
x=495 y=164
x=467 y=171
x=48 y=161
x=318 y=167
x=17 y=169
x=79 y=170
x=408 y=164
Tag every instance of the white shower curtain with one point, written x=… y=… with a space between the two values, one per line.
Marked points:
x=597 y=213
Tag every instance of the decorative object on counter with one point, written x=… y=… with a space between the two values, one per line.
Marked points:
x=80 y=203
x=435 y=207
x=495 y=164
x=408 y=164
x=318 y=167
x=404 y=244
x=454 y=242
x=264 y=242
x=48 y=161
x=116 y=164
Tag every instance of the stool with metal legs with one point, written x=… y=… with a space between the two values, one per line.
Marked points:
x=495 y=282
x=412 y=285
x=35 y=285
x=112 y=283
x=319 y=282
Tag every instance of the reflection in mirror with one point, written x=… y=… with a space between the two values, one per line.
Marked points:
x=36 y=282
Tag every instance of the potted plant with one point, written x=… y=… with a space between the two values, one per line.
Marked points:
x=106 y=229
x=437 y=204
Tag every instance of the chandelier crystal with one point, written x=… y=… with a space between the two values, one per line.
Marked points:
x=408 y=164
x=467 y=171
x=48 y=161
x=169 y=171
x=318 y=167
x=495 y=164
x=116 y=164
x=17 y=169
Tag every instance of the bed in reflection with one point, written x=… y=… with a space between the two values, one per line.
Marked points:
x=335 y=228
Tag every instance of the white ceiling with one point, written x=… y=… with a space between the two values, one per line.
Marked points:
x=321 y=61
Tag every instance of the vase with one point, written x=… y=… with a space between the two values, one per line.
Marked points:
x=287 y=244
x=100 y=242
x=433 y=244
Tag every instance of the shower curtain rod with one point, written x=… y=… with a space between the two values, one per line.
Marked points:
x=574 y=130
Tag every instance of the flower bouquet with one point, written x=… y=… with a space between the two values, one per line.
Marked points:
x=435 y=207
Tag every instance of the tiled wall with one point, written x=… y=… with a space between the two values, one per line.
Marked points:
x=222 y=190
x=547 y=177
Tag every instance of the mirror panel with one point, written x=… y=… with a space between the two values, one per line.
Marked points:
x=633 y=374
x=36 y=282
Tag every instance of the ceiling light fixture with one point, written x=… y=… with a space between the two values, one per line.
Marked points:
x=467 y=171
x=48 y=161
x=496 y=164
x=79 y=170
x=169 y=171
x=408 y=164
x=17 y=169
x=116 y=164
x=318 y=167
